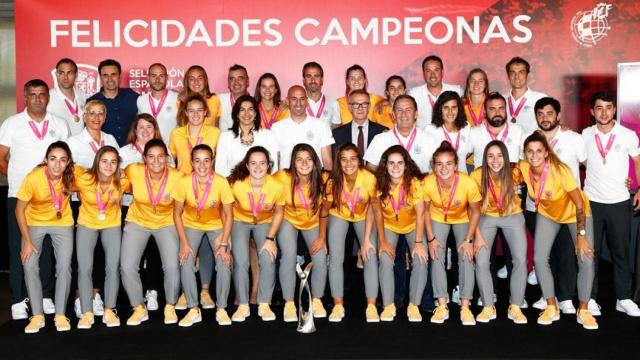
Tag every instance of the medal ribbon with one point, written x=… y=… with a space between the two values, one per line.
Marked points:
x=73 y=110
x=498 y=199
x=255 y=208
x=351 y=201
x=306 y=203
x=543 y=181
x=452 y=194
x=477 y=120
x=412 y=138
x=504 y=134
x=155 y=199
x=448 y=137
x=274 y=115
x=55 y=199
x=514 y=113
x=38 y=134
x=155 y=111
x=205 y=194
x=102 y=206
x=95 y=146
x=320 y=109
x=604 y=151
x=397 y=205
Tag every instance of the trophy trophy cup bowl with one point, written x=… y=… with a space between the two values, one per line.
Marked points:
x=305 y=317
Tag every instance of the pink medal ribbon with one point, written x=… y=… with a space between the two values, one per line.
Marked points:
x=102 y=206
x=232 y=100
x=452 y=194
x=36 y=132
x=504 y=134
x=55 y=199
x=137 y=147
x=543 y=181
x=255 y=208
x=72 y=109
x=412 y=138
x=351 y=201
x=155 y=199
x=306 y=203
x=431 y=101
x=95 y=146
x=320 y=109
x=514 y=113
x=448 y=137
x=263 y=115
x=604 y=151
x=198 y=142
x=477 y=120
x=155 y=111
x=205 y=194
x=498 y=199
x=553 y=144
x=397 y=205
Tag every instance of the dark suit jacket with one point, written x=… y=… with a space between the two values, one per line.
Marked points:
x=342 y=135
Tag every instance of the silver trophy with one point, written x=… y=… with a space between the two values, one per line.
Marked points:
x=305 y=318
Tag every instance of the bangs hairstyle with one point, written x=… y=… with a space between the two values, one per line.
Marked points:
x=95 y=168
x=467 y=87
x=505 y=179
x=538 y=136
x=67 y=174
x=241 y=170
x=276 y=97
x=383 y=179
x=182 y=118
x=315 y=178
x=235 y=112
x=337 y=175
x=444 y=148
x=186 y=92
x=132 y=137
x=438 y=119
x=354 y=67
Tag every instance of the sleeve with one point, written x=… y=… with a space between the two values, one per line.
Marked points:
x=25 y=193
x=178 y=194
x=172 y=143
x=272 y=146
x=335 y=107
x=139 y=104
x=473 y=193
x=633 y=144
x=5 y=133
x=567 y=181
x=581 y=150
x=425 y=190
x=226 y=196
x=327 y=136
x=373 y=152
x=279 y=198
x=373 y=185
x=222 y=150
x=125 y=185
x=328 y=192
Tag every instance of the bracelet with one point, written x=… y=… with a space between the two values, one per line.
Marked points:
x=469 y=241
x=271 y=238
x=224 y=245
x=434 y=237
x=418 y=242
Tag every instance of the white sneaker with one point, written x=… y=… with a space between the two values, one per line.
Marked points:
x=98 y=305
x=77 y=308
x=567 y=307
x=627 y=306
x=503 y=273
x=448 y=259
x=151 y=298
x=525 y=305
x=532 y=279
x=594 y=308
x=20 y=310
x=455 y=295
x=480 y=303
x=540 y=304
x=48 y=306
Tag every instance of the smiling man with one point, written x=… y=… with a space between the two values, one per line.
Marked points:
x=160 y=102
x=65 y=101
x=237 y=82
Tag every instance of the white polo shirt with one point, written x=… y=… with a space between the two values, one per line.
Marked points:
x=58 y=107
x=424 y=145
x=480 y=137
x=25 y=149
x=464 y=147
x=289 y=133
x=166 y=117
x=230 y=151
x=225 y=122
x=81 y=149
x=527 y=116
x=425 y=110
x=328 y=113
x=605 y=183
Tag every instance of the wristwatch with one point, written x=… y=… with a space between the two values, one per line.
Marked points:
x=582 y=232
x=469 y=241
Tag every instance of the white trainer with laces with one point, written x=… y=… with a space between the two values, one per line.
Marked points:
x=151 y=298
x=20 y=310
x=77 y=308
x=532 y=279
x=540 y=304
x=567 y=307
x=594 y=308
x=98 y=305
x=503 y=273
x=627 y=306
x=48 y=306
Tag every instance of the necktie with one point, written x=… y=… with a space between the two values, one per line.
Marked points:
x=360 y=140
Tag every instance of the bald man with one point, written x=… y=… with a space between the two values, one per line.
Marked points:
x=302 y=128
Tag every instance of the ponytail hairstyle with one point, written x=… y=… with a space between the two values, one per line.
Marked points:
x=444 y=148
x=315 y=178
x=538 y=136
x=505 y=179
x=411 y=171
x=67 y=174
x=337 y=176
x=241 y=170
x=95 y=168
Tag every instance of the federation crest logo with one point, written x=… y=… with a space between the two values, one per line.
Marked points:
x=87 y=80
x=589 y=27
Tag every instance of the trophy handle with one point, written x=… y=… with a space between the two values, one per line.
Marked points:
x=305 y=317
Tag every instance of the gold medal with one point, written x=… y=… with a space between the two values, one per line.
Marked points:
x=58 y=215
x=352 y=215
x=397 y=217
x=76 y=118
x=255 y=220
x=155 y=210
x=513 y=120
x=102 y=217
x=604 y=161
x=445 y=217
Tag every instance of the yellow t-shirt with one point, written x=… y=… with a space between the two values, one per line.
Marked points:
x=298 y=216
x=141 y=210
x=210 y=216
x=89 y=215
x=40 y=209
x=365 y=185
x=467 y=192
x=555 y=202
x=385 y=118
x=345 y=112
x=273 y=195
x=281 y=115
x=213 y=107
x=179 y=144
x=406 y=222
x=492 y=209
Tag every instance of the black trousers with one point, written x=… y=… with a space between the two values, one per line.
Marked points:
x=612 y=222
x=16 y=274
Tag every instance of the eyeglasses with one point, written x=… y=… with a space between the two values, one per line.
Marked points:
x=360 y=105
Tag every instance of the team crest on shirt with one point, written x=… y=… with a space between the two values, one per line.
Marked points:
x=52 y=133
x=168 y=108
x=548 y=194
x=558 y=151
x=213 y=203
x=166 y=197
x=509 y=141
x=310 y=135
x=617 y=147
x=456 y=203
x=267 y=207
x=417 y=149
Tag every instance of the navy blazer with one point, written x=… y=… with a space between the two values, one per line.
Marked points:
x=342 y=135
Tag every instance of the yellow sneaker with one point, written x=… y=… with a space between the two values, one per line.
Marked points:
x=62 y=323
x=242 y=312
x=337 y=313
x=587 y=320
x=514 y=313
x=371 y=313
x=466 y=316
x=192 y=317
x=388 y=313
x=36 y=322
x=222 y=317
x=170 y=316
x=181 y=304
x=487 y=314
x=549 y=315
x=110 y=318
x=139 y=315
x=86 y=320
x=318 y=309
x=264 y=311
x=440 y=314
x=290 y=314
x=206 y=301
x=413 y=313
